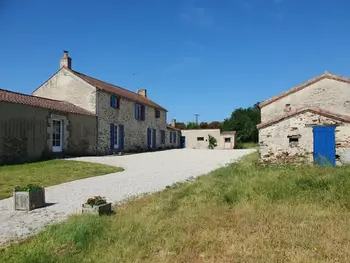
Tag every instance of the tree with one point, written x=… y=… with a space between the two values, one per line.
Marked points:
x=212 y=142
x=244 y=121
x=215 y=125
x=191 y=126
x=204 y=125
x=180 y=125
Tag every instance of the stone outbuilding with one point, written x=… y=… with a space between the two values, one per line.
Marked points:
x=33 y=128
x=199 y=139
x=308 y=123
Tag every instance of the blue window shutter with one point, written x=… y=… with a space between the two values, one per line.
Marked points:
x=171 y=138
x=111 y=101
x=148 y=137
x=117 y=104
x=174 y=137
x=154 y=139
x=121 y=137
x=136 y=111
x=112 y=135
x=143 y=112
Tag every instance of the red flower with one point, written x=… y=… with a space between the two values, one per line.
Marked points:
x=90 y=198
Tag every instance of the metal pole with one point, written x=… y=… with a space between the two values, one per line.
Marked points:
x=196 y=118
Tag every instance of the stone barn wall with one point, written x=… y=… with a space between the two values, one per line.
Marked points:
x=291 y=140
x=25 y=133
x=327 y=94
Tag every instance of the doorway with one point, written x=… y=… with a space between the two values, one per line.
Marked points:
x=227 y=143
x=57 y=135
x=324 y=145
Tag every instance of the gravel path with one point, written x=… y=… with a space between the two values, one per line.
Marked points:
x=147 y=172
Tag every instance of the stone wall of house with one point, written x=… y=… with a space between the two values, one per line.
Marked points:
x=25 y=133
x=67 y=87
x=327 y=94
x=135 y=131
x=22 y=133
x=276 y=147
x=82 y=139
x=171 y=144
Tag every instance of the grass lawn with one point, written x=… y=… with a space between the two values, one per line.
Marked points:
x=247 y=145
x=48 y=173
x=240 y=213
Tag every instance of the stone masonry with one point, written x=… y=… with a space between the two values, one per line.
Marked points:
x=67 y=85
x=286 y=133
x=276 y=147
x=327 y=94
x=135 y=131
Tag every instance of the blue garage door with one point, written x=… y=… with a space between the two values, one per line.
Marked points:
x=324 y=145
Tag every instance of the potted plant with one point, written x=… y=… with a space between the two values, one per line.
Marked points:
x=28 y=197
x=97 y=205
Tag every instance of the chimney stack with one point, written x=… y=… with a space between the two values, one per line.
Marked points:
x=143 y=92
x=66 y=61
x=173 y=123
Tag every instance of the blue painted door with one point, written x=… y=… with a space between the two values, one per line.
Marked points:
x=324 y=145
x=183 y=142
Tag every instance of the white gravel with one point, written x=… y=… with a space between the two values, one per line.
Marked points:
x=147 y=172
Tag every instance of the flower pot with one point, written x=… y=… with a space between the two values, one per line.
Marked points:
x=104 y=209
x=29 y=200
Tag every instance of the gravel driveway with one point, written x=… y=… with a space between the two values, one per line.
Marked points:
x=147 y=172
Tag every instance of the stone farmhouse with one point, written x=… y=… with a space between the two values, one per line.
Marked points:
x=308 y=123
x=72 y=113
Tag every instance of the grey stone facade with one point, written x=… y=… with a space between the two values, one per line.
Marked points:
x=290 y=139
x=276 y=147
x=66 y=86
x=327 y=94
x=135 y=131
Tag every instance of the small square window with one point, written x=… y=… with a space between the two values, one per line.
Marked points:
x=293 y=140
x=200 y=138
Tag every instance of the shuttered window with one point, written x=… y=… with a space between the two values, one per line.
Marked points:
x=114 y=102
x=162 y=138
x=137 y=111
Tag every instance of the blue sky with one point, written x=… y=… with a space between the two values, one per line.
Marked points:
x=207 y=57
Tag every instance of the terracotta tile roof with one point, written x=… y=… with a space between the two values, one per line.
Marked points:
x=304 y=85
x=172 y=128
x=14 y=97
x=316 y=110
x=99 y=84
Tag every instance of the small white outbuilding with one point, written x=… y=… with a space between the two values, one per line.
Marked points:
x=199 y=138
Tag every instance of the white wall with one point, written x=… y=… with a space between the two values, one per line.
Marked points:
x=192 y=135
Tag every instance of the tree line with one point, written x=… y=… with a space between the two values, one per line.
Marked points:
x=242 y=120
